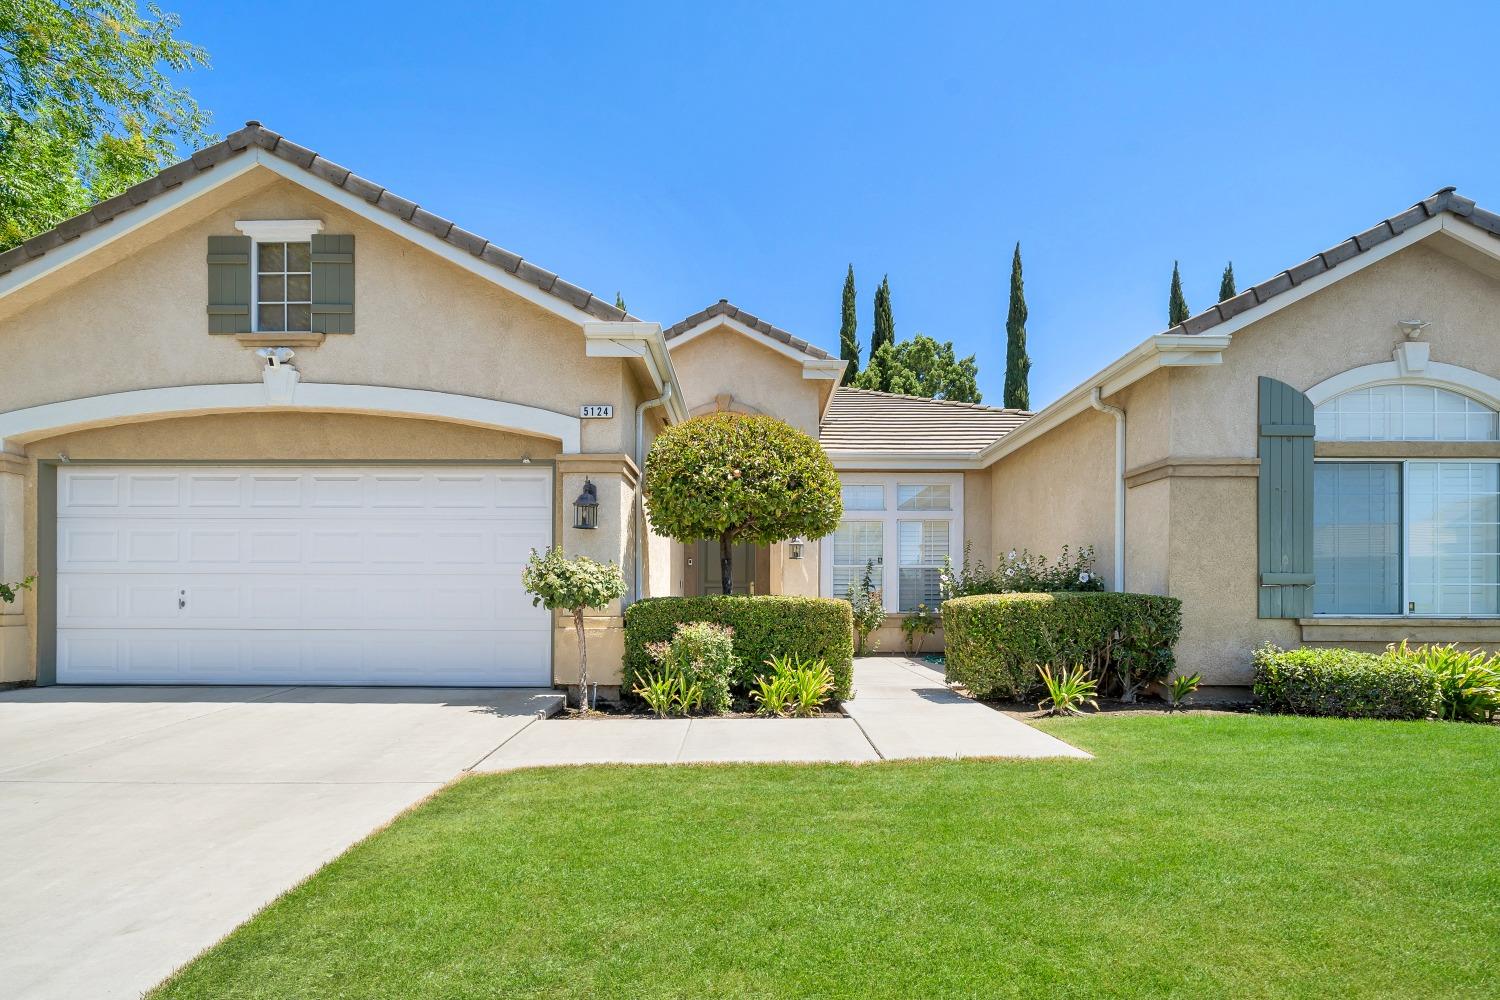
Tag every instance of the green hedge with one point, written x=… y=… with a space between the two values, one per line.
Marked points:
x=817 y=627
x=1345 y=683
x=994 y=644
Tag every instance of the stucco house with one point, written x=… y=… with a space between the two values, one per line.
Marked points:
x=264 y=421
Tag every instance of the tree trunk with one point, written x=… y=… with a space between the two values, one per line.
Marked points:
x=726 y=562
x=583 y=663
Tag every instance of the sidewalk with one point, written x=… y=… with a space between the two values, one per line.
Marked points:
x=901 y=709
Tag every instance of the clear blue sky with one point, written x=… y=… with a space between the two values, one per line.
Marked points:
x=685 y=152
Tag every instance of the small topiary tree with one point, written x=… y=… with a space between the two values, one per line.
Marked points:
x=740 y=478
x=573 y=585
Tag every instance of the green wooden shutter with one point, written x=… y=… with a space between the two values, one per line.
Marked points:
x=332 y=284
x=229 y=284
x=1286 y=501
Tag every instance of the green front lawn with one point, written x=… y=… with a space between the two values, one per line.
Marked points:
x=1201 y=855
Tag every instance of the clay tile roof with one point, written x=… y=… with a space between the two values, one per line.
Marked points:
x=1443 y=200
x=725 y=308
x=867 y=421
x=256 y=136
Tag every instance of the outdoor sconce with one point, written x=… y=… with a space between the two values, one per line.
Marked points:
x=794 y=548
x=586 y=507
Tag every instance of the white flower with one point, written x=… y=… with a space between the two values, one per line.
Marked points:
x=1083 y=578
x=1010 y=572
x=1012 y=554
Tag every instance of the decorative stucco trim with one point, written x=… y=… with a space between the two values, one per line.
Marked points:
x=302 y=339
x=1382 y=631
x=33 y=422
x=1193 y=468
x=607 y=463
x=280 y=230
x=1456 y=377
x=1397 y=450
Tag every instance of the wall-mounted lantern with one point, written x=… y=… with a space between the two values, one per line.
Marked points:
x=586 y=507
x=794 y=548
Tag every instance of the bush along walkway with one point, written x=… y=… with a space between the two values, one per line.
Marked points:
x=901 y=709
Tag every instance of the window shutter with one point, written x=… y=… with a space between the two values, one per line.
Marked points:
x=1286 y=501
x=229 y=284
x=332 y=284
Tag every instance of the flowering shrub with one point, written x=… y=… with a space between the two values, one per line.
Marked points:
x=868 y=606
x=1024 y=573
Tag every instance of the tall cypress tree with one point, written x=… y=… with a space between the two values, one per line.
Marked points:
x=1177 y=307
x=1226 y=283
x=885 y=325
x=620 y=303
x=1017 y=364
x=849 y=330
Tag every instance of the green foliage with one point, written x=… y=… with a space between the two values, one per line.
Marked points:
x=620 y=302
x=88 y=106
x=849 y=329
x=1345 y=683
x=1468 y=681
x=702 y=655
x=796 y=686
x=917 y=626
x=995 y=644
x=561 y=584
x=1020 y=572
x=819 y=628
x=922 y=367
x=885 y=323
x=1068 y=691
x=9 y=591
x=1226 y=283
x=1177 y=307
x=867 y=605
x=740 y=478
x=1017 y=363
x=1180 y=688
x=667 y=694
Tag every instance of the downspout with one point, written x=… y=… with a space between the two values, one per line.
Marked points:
x=640 y=464
x=1097 y=401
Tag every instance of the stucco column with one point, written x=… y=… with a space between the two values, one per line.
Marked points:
x=616 y=479
x=15 y=664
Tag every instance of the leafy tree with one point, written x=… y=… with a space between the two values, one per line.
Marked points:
x=885 y=324
x=1226 y=283
x=922 y=367
x=573 y=585
x=1177 y=307
x=739 y=478
x=1017 y=363
x=620 y=303
x=849 y=330
x=87 y=106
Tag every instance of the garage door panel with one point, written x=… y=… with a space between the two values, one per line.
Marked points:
x=334 y=575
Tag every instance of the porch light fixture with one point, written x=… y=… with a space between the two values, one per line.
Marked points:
x=586 y=507
x=794 y=548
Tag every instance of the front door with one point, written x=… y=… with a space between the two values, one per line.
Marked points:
x=710 y=574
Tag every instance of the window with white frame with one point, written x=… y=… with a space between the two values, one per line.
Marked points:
x=909 y=523
x=1406 y=537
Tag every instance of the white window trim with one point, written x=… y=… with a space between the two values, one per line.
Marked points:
x=280 y=230
x=1405 y=547
x=890 y=594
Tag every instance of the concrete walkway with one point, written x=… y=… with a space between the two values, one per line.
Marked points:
x=142 y=824
x=901 y=709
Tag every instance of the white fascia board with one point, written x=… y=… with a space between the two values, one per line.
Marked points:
x=642 y=342
x=124 y=224
x=814 y=368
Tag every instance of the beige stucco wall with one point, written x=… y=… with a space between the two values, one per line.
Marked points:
x=725 y=362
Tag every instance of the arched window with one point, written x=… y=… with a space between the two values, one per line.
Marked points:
x=1396 y=535
x=1405 y=413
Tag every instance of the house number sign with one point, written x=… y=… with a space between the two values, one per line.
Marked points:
x=596 y=410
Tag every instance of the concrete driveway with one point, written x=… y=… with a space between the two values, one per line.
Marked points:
x=140 y=825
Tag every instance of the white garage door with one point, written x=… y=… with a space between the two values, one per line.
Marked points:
x=300 y=575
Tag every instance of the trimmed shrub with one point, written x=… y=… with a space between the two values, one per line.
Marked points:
x=810 y=628
x=1344 y=683
x=702 y=655
x=996 y=644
